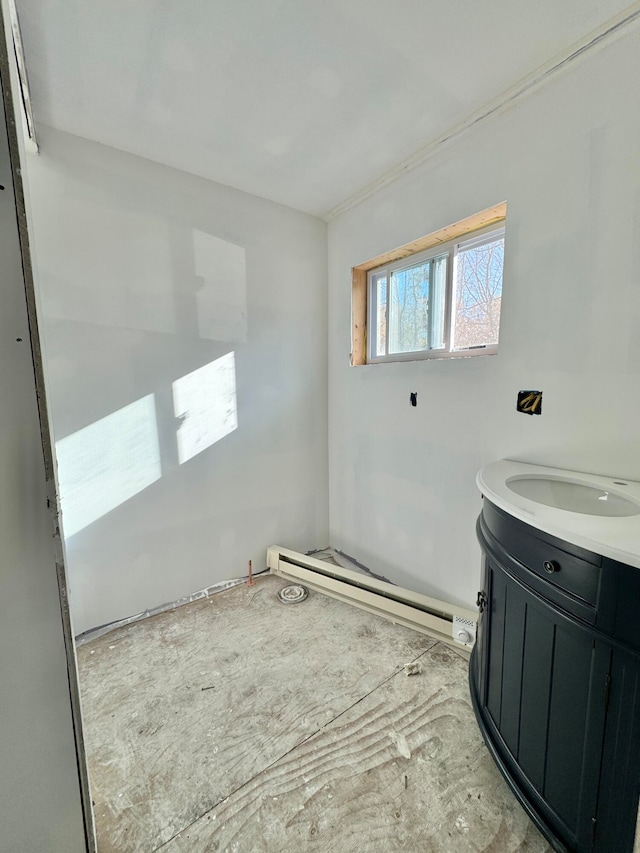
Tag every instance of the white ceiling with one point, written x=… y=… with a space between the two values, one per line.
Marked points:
x=300 y=101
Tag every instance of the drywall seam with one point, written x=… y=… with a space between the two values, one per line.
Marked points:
x=613 y=28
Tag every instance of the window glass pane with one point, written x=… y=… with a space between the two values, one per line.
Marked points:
x=416 y=307
x=409 y=316
x=380 y=290
x=478 y=295
x=438 y=302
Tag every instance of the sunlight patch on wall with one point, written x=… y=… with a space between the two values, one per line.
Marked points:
x=205 y=401
x=106 y=463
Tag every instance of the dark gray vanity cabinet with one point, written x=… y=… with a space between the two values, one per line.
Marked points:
x=555 y=693
x=545 y=703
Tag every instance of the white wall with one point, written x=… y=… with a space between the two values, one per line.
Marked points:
x=567 y=160
x=145 y=276
x=40 y=806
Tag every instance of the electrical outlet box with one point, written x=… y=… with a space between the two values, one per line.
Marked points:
x=464 y=631
x=529 y=402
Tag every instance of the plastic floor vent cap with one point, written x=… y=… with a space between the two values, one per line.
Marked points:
x=293 y=594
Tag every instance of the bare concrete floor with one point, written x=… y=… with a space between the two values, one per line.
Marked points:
x=240 y=724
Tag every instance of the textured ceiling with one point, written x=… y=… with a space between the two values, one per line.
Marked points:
x=297 y=101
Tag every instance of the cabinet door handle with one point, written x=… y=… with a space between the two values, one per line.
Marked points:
x=550 y=566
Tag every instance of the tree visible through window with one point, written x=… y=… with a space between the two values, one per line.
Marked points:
x=478 y=289
x=442 y=302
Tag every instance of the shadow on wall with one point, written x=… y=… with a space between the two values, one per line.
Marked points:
x=135 y=286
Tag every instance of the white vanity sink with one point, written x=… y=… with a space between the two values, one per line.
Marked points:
x=565 y=493
x=601 y=514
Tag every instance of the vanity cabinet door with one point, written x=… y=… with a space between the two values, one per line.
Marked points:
x=544 y=695
x=620 y=776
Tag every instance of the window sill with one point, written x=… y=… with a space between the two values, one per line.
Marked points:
x=430 y=356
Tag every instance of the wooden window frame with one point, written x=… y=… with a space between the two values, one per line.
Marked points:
x=495 y=216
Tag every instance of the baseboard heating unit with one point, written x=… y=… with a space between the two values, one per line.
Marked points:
x=439 y=619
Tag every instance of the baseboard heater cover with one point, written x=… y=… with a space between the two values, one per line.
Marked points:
x=439 y=619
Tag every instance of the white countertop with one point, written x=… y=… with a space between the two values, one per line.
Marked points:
x=617 y=538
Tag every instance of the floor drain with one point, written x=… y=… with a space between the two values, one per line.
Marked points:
x=293 y=594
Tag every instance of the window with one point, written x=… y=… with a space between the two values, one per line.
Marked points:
x=438 y=296
x=441 y=302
